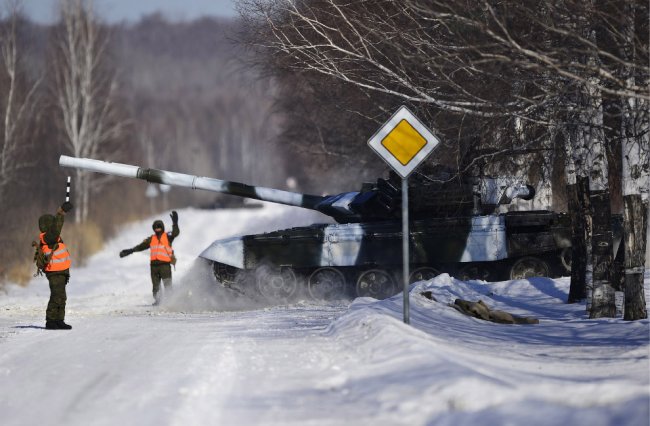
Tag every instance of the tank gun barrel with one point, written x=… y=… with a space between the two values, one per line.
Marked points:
x=375 y=203
x=194 y=182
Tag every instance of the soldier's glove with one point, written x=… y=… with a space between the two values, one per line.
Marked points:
x=174 y=217
x=67 y=206
x=126 y=252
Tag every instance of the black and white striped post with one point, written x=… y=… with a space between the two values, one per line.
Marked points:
x=67 y=190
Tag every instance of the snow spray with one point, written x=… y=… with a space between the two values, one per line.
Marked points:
x=198 y=291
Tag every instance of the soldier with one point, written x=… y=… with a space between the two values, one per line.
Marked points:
x=57 y=268
x=161 y=255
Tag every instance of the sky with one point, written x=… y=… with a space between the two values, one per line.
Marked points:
x=113 y=11
x=211 y=356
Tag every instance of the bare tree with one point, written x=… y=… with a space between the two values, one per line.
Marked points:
x=591 y=138
x=85 y=91
x=600 y=293
x=582 y=45
x=519 y=65
x=635 y=131
x=18 y=101
x=345 y=66
x=424 y=51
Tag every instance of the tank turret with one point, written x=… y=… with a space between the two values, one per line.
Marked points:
x=455 y=227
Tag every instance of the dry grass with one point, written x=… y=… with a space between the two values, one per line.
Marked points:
x=83 y=240
x=21 y=272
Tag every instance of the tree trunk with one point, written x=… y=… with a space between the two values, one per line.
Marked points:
x=85 y=197
x=603 y=297
x=635 y=245
x=77 y=190
x=579 y=205
x=635 y=149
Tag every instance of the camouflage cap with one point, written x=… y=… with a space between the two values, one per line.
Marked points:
x=45 y=222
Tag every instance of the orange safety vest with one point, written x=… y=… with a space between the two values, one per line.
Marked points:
x=160 y=249
x=59 y=260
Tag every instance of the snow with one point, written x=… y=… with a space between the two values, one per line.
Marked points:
x=209 y=356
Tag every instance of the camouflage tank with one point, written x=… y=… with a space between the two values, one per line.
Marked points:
x=455 y=227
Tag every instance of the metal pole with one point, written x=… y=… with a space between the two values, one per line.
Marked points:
x=405 y=246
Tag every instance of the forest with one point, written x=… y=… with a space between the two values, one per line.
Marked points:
x=553 y=91
x=175 y=96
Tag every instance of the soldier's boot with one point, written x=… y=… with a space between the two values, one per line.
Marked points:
x=51 y=325
x=63 y=326
x=158 y=299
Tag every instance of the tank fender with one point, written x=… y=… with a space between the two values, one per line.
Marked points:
x=229 y=251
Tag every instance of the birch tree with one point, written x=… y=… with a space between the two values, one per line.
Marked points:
x=635 y=147
x=18 y=99
x=591 y=136
x=600 y=293
x=572 y=27
x=85 y=92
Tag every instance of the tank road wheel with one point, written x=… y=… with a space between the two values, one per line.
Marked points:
x=326 y=284
x=224 y=273
x=229 y=277
x=472 y=272
x=243 y=281
x=528 y=267
x=277 y=284
x=376 y=283
x=423 y=274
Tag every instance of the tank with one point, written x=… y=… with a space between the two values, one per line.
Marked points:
x=455 y=227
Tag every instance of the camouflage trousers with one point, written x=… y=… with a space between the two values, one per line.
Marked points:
x=56 y=306
x=161 y=272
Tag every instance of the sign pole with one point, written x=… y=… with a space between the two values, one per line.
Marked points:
x=405 y=247
x=404 y=142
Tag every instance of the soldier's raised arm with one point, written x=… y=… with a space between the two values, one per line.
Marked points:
x=175 y=229
x=53 y=232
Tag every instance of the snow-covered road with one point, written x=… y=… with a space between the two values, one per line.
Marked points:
x=206 y=358
x=148 y=367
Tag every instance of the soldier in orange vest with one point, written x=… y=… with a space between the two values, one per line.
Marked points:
x=57 y=269
x=161 y=255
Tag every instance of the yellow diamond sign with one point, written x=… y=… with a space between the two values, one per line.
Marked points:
x=403 y=142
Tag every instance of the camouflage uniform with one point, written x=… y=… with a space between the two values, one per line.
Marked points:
x=160 y=270
x=55 y=312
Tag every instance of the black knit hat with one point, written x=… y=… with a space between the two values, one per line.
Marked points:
x=158 y=224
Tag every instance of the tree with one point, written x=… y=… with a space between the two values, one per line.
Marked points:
x=591 y=136
x=18 y=100
x=635 y=150
x=85 y=91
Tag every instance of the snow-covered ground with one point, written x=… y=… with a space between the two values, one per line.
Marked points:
x=352 y=362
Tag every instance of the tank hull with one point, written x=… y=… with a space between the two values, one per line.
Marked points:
x=473 y=247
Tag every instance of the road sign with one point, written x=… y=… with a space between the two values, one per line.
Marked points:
x=403 y=142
